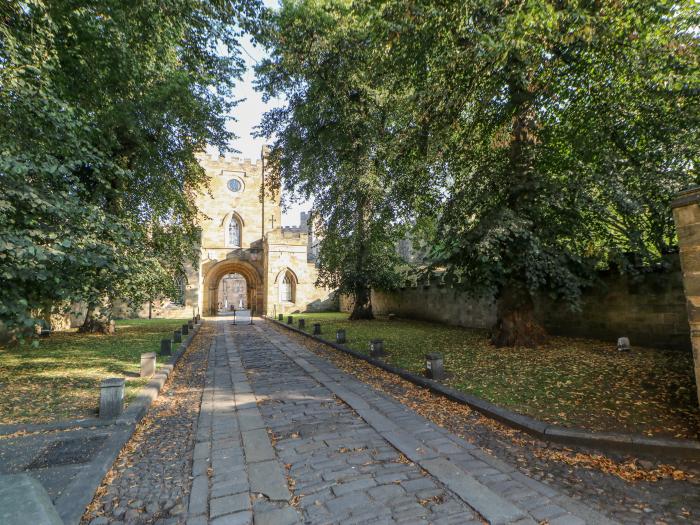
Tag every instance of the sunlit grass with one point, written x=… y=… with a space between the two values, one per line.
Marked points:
x=60 y=379
x=573 y=382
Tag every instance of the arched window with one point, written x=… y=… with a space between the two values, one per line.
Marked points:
x=287 y=289
x=181 y=287
x=233 y=233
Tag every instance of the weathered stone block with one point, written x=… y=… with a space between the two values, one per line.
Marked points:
x=177 y=336
x=317 y=328
x=340 y=336
x=111 y=397
x=148 y=364
x=24 y=500
x=434 y=367
x=185 y=329
x=302 y=324
x=376 y=348
x=165 y=347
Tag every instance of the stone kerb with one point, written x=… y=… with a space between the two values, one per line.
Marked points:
x=686 y=214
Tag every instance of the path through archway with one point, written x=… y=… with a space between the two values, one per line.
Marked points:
x=232 y=293
x=217 y=274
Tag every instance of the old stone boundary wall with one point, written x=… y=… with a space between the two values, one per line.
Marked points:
x=649 y=309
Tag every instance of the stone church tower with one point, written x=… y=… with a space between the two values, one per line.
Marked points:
x=244 y=242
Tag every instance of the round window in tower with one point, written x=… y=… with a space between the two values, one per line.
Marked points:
x=235 y=185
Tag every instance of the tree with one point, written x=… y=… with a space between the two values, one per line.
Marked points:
x=556 y=132
x=328 y=142
x=103 y=106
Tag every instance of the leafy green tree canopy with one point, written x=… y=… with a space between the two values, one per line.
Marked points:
x=103 y=105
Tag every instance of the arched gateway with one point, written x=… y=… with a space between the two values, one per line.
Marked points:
x=216 y=271
x=242 y=234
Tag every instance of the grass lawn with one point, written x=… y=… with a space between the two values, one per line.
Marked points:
x=60 y=379
x=573 y=382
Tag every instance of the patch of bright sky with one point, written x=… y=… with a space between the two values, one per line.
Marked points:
x=247 y=115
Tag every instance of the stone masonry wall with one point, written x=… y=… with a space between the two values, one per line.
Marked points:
x=650 y=310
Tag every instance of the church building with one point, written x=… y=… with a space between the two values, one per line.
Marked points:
x=247 y=259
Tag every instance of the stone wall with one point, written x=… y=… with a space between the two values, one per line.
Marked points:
x=649 y=309
x=442 y=304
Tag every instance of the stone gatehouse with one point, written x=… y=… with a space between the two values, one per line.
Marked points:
x=244 y=245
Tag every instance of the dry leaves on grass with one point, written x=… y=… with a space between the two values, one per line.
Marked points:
x=457 y=417
x=568 y=381
x=60 y=379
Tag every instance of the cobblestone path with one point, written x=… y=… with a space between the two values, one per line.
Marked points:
x=285 y=437
x=150 y=479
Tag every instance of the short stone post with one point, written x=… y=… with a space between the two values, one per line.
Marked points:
x=165 y=347
x=185 y=329
x=302 y=324
x=317 y=328
x=434 y=368
x=177 y=336
x=623 y=344
x=190 y=325
x=686 y=214
x=340 y=336
x=111 y=397
x=280 y=317
x=148 y=364
x=376 y=348
x=290 y=319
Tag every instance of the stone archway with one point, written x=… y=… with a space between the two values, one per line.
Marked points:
x=213 y=275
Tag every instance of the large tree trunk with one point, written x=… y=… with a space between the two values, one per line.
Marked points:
x=362 y=309
x=516 y=324
x=96 y=322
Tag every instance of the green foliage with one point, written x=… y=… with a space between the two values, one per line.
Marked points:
x=530 y=142
x=103 y=106
x=328 y=141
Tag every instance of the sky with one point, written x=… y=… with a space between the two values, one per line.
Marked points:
x=248 y=114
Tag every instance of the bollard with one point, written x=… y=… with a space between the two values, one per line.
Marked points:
x=623 y=344
x=165 y=348
x=190 y=325
x=376 y=348
x=185 y=329
x=111 y=397
x=280 y=317
x=434 y=368
x=290 y=319
x=302 y=324
x=340 y=337
x=148 y=364
x=177 y=336
x=317 y=328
